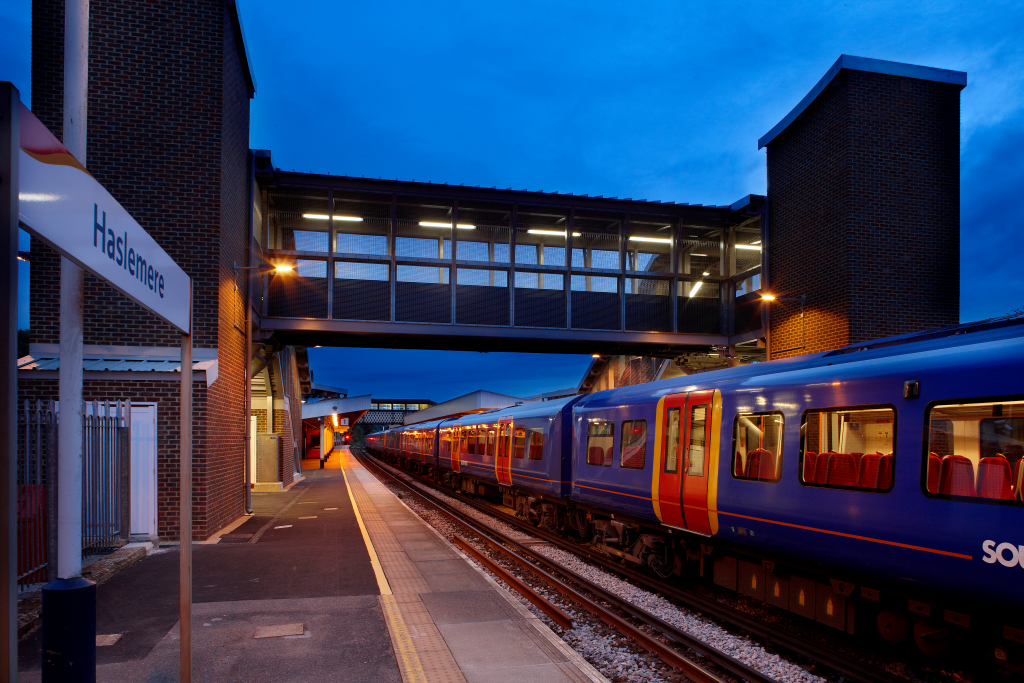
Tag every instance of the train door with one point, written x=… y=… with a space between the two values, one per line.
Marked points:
x=457 y=446
x=670 y=481
x=697 y=461
x=687 y=483
x=503 y=463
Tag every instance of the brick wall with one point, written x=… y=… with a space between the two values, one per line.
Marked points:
x=261 y=420
x=168 y=129
x=863 y=193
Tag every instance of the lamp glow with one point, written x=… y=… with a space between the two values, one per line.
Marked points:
x=659 y=240
x=767 y=297
x=323 y=217
x=693 y=291
x=752 y=247
x=553 y=233
x=460 y=226
x=283 y=268
x=704 y=255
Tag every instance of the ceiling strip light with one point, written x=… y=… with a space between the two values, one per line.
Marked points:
x=460 y=226
x=660 y=240
x=553 y=233
x=753 y=247
x=323 y=217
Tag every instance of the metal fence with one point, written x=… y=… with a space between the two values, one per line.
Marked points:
x=106 y=462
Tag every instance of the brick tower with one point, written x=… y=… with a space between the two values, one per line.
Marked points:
x=864 y=207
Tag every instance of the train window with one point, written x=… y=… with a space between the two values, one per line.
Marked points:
x=600 y=443
x=633 y=444
x=848 y=448
x=536 y=443
x=976 y=451
x=698 y=425
x=490 y=442
x=470 y=441
x=672 y=441
x=519 y=448
x=757 y=446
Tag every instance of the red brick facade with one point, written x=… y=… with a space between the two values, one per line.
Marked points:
x=168 y=135
x=864 y=213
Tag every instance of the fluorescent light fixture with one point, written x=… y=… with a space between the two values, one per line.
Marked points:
x=659 y=240
x=324 y=216
x=695 y=288
x=753 y=247
x=706 y=274
x=553 y=233
x=704 y=255
x=460 y=226
x=756 y=242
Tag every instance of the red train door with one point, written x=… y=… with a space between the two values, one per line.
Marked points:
x=698 y=461
x=670 y=481
x=503 y=463
x=458 y=443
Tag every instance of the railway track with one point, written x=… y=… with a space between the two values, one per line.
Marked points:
x=795 y=644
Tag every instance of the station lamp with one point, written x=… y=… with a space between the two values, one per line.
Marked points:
x=268 y=268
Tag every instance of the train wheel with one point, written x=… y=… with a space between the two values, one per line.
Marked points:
x=931 y=637
x=893 y=625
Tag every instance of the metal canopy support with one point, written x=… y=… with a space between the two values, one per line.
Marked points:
x=185 y=505
x=10 y=101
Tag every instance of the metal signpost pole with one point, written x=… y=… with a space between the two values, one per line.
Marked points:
x=185 y=505
x=10 y=102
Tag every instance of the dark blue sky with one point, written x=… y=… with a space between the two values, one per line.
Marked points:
x=658 y=101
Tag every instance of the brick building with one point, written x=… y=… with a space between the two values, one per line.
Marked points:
x=864 y=207
x=168 y=135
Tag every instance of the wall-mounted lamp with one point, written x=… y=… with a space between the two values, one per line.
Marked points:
x=802 y=299
x=268 y=268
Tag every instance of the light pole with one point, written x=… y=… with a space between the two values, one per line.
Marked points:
x=802 y=300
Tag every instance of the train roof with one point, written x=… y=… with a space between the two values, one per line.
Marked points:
x=533 y=409
x=974 y=334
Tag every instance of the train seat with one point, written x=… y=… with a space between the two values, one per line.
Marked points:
x=934 y=465
x=809 y=461
x=738 y=468
x=536 y=451
x=868 y=469
x=956 y=476
x=761 y=465
x=821 y=467
x=994 y=478
x=885 y=471
x=842 y=470
x=595 y=456
x=857 y=457
x=1018 y=478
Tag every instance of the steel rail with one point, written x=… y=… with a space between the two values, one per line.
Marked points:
x=529 y=559
x=792 y=643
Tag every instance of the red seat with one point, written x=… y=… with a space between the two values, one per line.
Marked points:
x=994 y=478
x=842 y=470
x=595 y=456
x=761 y=465
x=821 y=467
x=934 y=464
x=738 y=468
x=956 y=476
x=1017 y=478
x=856 y=458
x=809 y=460
x=536 y=451
x=868 y=477
x=885 y=472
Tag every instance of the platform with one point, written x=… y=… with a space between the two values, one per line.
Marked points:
x=369 y=592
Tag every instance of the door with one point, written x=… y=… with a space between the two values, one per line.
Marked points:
x=457 y=445
x=670 y=482
x=698 y=461
x=252 y=449
x=503 y=463
x=143 y=471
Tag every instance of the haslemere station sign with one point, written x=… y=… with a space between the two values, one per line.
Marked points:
x=59 y=202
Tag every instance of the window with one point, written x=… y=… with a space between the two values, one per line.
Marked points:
x=698 y=425
x=471 y=441
x=633 y=444
x=672 y=441
x=976 y=450
x=757 y=446
x=850 y=448
x=600 y=443
x=397 y=406
x=536 y=443
x=385 y=406
x=374 y=406
x=490 y=442
x=519 y=447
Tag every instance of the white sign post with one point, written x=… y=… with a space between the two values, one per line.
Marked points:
x=60 y=203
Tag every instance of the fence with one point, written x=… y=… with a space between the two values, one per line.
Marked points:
x=106 y=460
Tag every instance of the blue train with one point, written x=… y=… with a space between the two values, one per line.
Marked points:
x=879 y=486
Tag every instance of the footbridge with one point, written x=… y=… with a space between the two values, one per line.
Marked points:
x=409 y=264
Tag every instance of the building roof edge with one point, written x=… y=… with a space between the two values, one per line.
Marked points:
x=243 y=48
x=877 y=66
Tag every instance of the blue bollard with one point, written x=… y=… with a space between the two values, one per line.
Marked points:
x=69 y=631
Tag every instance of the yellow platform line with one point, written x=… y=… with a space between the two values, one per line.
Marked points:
x=409 y=661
